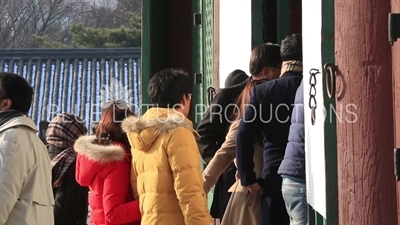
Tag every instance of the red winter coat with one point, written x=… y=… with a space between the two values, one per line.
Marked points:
x=106 y=171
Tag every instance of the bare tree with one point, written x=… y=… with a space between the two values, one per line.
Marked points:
x=134 y=6
x=22 y=20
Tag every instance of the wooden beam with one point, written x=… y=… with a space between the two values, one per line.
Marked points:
x=396 y=91
x=366 y=184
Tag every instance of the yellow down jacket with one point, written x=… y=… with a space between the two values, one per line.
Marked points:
x=166 y=171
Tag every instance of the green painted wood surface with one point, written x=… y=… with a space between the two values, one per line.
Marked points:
x=197 y=99
x=283 y=20
x=256 y=23
x=153 y=44
x=328 y=56
x=331 y=186
x=208 y=48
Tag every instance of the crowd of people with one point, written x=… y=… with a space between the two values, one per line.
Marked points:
x=147 y=169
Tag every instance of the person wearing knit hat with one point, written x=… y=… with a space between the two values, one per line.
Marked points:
x=235 y=77
x=71 y=199
x=213 y=129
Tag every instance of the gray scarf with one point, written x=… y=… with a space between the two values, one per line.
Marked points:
x=7 y=115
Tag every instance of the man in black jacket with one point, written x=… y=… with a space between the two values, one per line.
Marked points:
x=269 y=111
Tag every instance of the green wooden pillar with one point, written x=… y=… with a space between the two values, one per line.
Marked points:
x=206 y=37
x=283 y=19
x=198 y=73
x=153 y=44
x=256 y=23
x=208 y=47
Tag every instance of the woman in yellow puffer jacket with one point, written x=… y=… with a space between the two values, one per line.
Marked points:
x=166 y=162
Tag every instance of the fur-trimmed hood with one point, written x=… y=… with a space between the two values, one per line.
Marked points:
x=142 y=132
x=93 y=158
x=99 y=153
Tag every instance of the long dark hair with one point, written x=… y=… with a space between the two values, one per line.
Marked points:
x=244 y=98
x=109 y=128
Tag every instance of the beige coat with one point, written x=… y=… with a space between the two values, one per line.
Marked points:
x=25 y=175
x=242 y=207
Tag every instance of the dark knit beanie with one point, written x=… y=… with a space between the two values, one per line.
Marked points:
x=235 y=77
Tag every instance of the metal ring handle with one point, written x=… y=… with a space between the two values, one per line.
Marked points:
x=330 y=79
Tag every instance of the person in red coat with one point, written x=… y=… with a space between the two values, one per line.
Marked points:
x=104 y=165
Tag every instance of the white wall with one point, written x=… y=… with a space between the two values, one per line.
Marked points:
x=315 y=137
x=235 y=37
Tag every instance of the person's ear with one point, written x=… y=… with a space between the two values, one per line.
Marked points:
x=184 y=101
x=265 y=72
x=6 y=104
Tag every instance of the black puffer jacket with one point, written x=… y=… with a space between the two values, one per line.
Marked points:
x=293 y=163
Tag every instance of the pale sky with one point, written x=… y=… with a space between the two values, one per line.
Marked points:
x=235 y=37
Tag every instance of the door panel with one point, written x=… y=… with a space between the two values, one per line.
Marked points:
x=318 y=49
x=208 y=46
x=203 y=61
x=312 y=59
x=197 y=99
